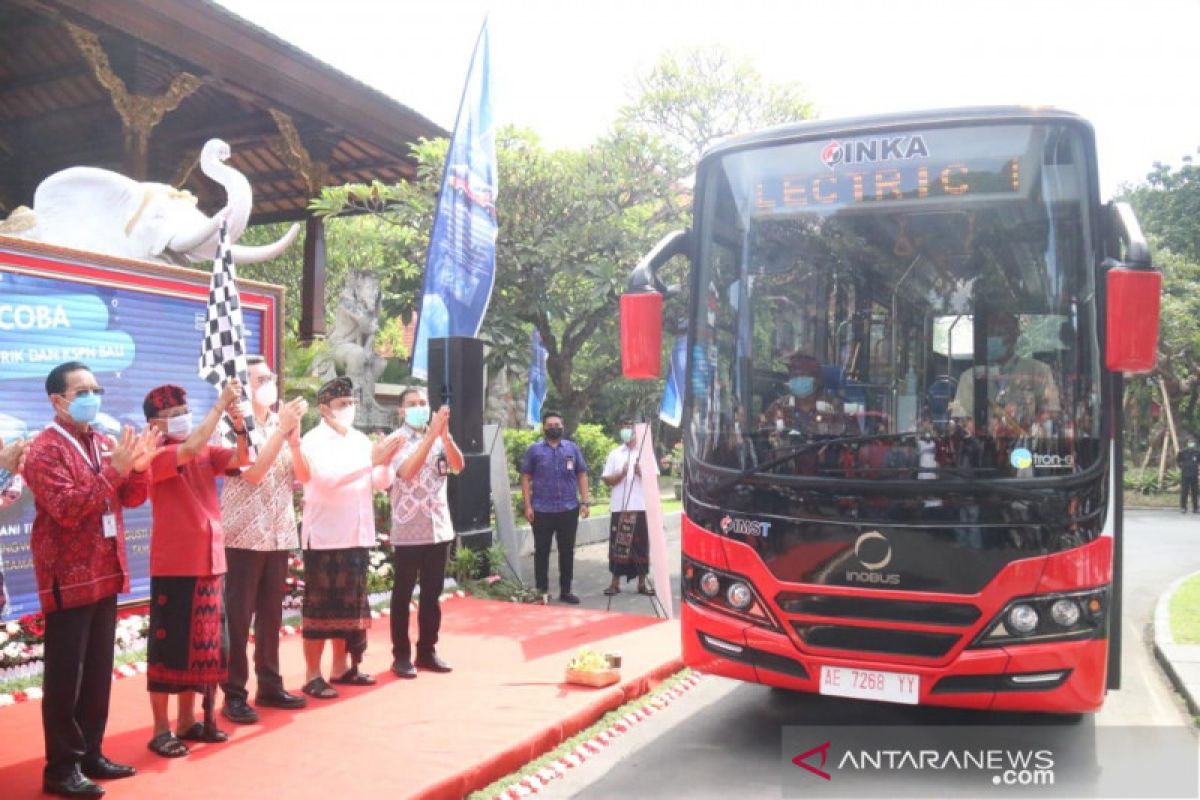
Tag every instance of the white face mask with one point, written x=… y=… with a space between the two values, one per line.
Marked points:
x=345 y=416
x=179 y=427
x=266 y=395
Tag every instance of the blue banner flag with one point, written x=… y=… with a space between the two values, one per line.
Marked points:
x=536 y=394
x=671 y=410
x=460 y=268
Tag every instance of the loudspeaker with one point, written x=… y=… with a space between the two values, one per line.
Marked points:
x=456 y=375
x=470 y=496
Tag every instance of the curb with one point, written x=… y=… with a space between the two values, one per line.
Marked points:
x=1164 y=642
x=532 y=784
x=492 y=768
x=140 y=667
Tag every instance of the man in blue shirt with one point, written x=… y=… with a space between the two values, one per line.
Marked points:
x=553 y=483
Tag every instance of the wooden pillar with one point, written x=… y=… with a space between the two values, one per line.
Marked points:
x=312 y=285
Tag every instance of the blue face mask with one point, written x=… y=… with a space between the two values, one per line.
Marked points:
x=802 y=386
x=84 y=408
x=996 y=348
x=416 y=416
x=626 y=434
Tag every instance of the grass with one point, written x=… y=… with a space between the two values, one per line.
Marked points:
x=604 y=723
x=669 y=505
x=1155 y=500
x=1185 y=612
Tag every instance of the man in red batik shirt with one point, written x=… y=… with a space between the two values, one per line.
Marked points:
x=188 y=648
x=80 y=481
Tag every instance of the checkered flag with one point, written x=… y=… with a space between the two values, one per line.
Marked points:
x=223 y=349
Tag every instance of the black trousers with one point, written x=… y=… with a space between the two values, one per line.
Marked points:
x=77 y=683
x=1189 y=485
x=254 y=588
x=426 y=563
x=551 y=526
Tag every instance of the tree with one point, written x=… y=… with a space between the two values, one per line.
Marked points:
x=1168 y=207
x=693 y=98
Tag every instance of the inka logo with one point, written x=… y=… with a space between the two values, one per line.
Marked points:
x=869 y=151
x=1021 y=458
x=745 y=527
x=800 y=760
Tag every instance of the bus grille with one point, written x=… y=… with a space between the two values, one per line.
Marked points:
x=876 y=640
x=926 y=613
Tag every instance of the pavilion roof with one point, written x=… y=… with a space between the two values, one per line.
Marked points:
x=82 y=81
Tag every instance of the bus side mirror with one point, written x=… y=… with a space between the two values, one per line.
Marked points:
x=1134 y=290
x=641 y=310
x=641 y=335
x=1131 y=330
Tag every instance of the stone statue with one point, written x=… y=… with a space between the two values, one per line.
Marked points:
x=352 y=347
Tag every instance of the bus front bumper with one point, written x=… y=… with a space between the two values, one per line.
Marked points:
x=1065 y=677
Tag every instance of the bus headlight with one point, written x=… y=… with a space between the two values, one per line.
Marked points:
x=710 y=585
x=1061 y=616
x=1022 y=619
x=739 y=595
x=1065 y=612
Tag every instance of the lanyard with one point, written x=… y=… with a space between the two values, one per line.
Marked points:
x=96 y=467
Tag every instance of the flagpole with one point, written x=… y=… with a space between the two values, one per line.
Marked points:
x=462 y=101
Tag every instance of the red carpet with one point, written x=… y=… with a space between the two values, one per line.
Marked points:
x=439 y=736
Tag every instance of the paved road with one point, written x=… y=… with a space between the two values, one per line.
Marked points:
x=723 y=738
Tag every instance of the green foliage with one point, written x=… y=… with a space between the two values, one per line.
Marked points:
x=1145 y=481
x=464 y=564
x=694 y=97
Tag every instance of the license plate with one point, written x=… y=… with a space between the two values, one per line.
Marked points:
x=870 y=684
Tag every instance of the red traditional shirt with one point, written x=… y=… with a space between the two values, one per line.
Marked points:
x=186 y=537
x=74 y=563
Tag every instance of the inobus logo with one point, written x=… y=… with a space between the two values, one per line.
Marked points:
x=1002 y=766
x=874 y=552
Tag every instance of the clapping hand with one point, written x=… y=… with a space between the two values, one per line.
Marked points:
x=383 y=450
x=147 y=447
x=12 y=456
x=290 y=415
x=439 y=423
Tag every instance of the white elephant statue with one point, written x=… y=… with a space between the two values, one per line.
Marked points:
x=92 y=209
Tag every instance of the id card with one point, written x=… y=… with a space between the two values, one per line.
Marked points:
x=110 y=526
x=443 y=466
x=570 y=463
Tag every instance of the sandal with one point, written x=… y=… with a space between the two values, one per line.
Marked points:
x=647 y=590
x=353 y=677
x=167 y=745
x=202 y=732
x=611 y=590
x=319 y=689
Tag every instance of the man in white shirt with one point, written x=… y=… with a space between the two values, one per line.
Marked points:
x=628 y=536
x=338 y=531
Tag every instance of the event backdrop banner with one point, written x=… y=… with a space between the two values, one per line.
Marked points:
x=137 y=326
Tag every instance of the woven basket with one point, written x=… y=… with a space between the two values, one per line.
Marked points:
x=603 y=677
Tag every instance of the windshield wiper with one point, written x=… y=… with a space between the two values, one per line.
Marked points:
x=800 y=449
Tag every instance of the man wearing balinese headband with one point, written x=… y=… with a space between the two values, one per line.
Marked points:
x=188 y=647
x=337 y=532
x=421 y=528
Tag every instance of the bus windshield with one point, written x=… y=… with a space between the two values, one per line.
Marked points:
x=914 y=305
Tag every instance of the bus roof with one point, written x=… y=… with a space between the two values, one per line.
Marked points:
x=874 y=123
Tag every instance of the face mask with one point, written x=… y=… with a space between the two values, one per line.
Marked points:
x=179 y=427
x=626 y=434
x=779 y=425
x=345 y=416
x=996 y=347
x=416 y=416
x=554 y=434
x=266 y=395
x=84 y=407
x=1192 y=445
x=802 y=386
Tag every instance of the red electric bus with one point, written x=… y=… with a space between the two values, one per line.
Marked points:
x=906 y=348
